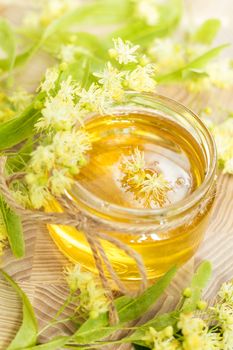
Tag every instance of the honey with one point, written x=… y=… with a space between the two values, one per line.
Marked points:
x=166 y=148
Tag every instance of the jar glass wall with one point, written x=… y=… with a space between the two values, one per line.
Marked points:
x=172 y=139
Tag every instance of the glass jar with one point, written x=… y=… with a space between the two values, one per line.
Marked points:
x=163 y=129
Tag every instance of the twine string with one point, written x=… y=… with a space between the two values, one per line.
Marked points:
x=113 y=316
x=72 y=216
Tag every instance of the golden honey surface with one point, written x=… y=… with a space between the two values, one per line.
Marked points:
x=167 y=149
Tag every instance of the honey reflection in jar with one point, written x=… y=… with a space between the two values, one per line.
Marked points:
x=172 y=140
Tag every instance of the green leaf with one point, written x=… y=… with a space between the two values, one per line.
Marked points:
x=193 y=74
x=55 y=343
x=18 y=129
x=196 y=64
x=14 y=229
x=138 y=32
x=27 y=333
x=141 y=304
x=199 y=282
x=7 y=43
x=99 y=12
x=17 y=161
x=207 y=31
x=128 y=309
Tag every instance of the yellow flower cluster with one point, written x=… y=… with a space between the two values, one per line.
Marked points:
x=161 y=340
x=54 y=162
x=167 y=54
x=147 y=11
x=224 y=314
x=48 y=11
x=139 y=78
x=92 y=300
x=223 y=134
x=197 y=335
x=61 y=154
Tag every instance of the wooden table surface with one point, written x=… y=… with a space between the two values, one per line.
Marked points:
x=39 y=273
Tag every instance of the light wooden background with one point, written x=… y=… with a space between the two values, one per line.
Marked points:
x=40 y=272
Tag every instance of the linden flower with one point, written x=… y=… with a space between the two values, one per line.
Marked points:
x=58 y=114
x=224 y=315
x=140 y=79
x=223 y=134
x=60 y=182
x=92 y=297
x=42 y=159
x=20 y=99
x=21 y=197
x=161 y=340
x=68 y=53
x=167 y=54
x=111 y=79
x=68 y=89
x=226 y=292
x=155 y=187
x=54 y=9
x=70 y=147
x=77 y=279
x=39 y=195
x=50 y=79
x=136 y=162
x=196 y=335
x=147 y=10
x=190 y=325
x=124 y=52
x=220 y=73
x=94 y=99
x=205 y=341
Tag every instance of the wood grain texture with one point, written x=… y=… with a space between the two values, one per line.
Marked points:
x=39 y=273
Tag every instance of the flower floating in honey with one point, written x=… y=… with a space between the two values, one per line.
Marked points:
x=135 y=164
x=146 y=184
x=155 y=188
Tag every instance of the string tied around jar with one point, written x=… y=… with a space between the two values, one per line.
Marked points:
x=92 y=228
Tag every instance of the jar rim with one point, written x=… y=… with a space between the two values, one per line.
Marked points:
x=175 y=208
